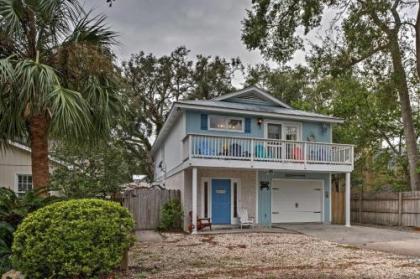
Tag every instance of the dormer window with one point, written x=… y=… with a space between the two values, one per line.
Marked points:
x=226 y=123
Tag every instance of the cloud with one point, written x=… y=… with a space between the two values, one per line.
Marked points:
x=159 y=26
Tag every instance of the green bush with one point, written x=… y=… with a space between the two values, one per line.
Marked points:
x=13 y=209
x=171 y=216
x=73 y=239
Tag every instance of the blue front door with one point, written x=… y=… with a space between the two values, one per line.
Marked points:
x=220 y=196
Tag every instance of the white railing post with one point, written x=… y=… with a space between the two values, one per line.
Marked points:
x=190 y=146
x=252 y=150
x=272 y=150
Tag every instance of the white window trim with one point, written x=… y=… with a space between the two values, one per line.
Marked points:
x=209 y=180
x=235 y=220
x=284 y=123
x=226 y=130
x=17 y=181
x=204 y=180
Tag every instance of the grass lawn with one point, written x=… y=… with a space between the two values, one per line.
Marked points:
x=262 y=255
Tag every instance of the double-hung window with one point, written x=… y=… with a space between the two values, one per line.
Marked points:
x=226 y=123
x=23 y=183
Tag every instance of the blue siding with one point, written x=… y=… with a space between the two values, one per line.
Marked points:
x=247 y=125
x=318 y=131
x=194 y=126
x=315 y=129
x=264 y=199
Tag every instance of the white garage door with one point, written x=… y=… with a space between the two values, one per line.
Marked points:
x=296 y=201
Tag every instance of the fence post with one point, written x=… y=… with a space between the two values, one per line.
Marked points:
x=400 y=208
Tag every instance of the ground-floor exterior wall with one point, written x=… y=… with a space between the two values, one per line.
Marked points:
x=254 y=191
x=246 y=180
x=13 y=161
x=264 y=193
x=177 y=182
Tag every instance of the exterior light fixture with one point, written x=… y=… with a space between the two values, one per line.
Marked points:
x=259 y=121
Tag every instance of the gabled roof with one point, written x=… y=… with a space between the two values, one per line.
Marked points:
x=254 y=95
x=262 y=110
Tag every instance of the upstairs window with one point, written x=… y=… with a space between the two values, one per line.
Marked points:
x=226 y=123
x=24 y=183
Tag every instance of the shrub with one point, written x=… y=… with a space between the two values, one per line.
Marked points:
x=13 y=209
x=171 y=216
x=73 y=239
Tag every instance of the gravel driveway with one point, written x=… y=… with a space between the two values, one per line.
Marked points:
x=262 y=255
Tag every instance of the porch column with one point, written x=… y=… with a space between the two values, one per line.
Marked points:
x=348 y=194
x=194 y=200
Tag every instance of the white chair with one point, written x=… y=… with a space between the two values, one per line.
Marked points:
x=244 y=219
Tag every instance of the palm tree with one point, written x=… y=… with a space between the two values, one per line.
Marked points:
x=56 y=76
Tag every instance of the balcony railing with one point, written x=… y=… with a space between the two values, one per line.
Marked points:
x=266 y=150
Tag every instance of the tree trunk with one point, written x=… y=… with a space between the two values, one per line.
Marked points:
x=39 y=145
x=400 y=80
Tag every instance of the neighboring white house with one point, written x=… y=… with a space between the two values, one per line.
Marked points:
x=250 y=150
x=15 y=168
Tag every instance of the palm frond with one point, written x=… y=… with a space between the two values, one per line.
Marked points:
x=11 y=15
x=35 y=80
x=12 y=125
x=92 y=30
x=7 y=45
x=105 y=104
x=55 y=19
x=69 y=113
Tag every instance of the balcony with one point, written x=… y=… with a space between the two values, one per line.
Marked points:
x=259 y=153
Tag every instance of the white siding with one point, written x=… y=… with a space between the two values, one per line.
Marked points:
x=177 y=182
x=171 y=150
x=157 y=158
x=13 y=161
x=173 y=144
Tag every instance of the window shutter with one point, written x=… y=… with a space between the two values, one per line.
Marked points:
x=247 y=125
x=204 y=122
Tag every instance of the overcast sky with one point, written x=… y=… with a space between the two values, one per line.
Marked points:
x=159 y=26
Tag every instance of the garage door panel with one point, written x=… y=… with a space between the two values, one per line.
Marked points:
x=296 y=217
x=296 y=201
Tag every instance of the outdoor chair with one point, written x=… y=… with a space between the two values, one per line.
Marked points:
x=235 y=150
x=244 y=219
x=204 y=148
x=201 y=223
x=260 y=151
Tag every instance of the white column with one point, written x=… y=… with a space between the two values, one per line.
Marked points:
x=194 y=200
x=348 y=193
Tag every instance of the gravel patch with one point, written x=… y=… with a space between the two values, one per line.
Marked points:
x=262 y=255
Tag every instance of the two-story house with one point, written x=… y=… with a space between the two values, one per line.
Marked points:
x=250 y=150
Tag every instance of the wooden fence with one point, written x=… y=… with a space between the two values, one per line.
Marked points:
x=384 y=208
x=145 y=205
x=337 y=205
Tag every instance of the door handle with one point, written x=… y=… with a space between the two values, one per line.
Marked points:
x=296 y=205
x=317 y=212
x=275 y=212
